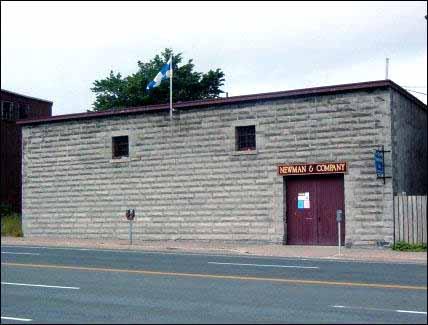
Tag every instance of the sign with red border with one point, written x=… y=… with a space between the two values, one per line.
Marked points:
x=310 y=169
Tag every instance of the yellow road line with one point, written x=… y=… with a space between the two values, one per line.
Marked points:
x=223 y=277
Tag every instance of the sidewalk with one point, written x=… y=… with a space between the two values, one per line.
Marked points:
x=372 y=254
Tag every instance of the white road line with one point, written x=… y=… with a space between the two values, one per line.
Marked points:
x=381 y=309
x=39 y=285
x=18 y=319
x=411 y=312
x=17 y=253
x=267 y=265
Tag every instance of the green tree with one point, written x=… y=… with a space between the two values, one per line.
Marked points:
x=118 y=92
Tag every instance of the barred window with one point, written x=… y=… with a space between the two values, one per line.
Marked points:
x=245 y=138
x=120 y=146
x=6 y=111
x=23 y=111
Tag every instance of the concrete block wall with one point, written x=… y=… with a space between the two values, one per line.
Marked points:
x=409 y=138
x=187 y=182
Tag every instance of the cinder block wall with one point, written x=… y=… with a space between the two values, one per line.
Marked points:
x=409 y=134
x=185 y=179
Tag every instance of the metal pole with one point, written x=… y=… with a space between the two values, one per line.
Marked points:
x=339 y=236
x=386 y=68
x=130 y=232
x=393 y=217
x=170 y=91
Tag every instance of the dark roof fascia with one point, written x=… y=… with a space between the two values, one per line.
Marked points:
x=408 y=95
x=25 y=96
x=229 y=101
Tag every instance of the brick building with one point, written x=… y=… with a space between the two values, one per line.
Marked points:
x=272 y=167
x=15 y=107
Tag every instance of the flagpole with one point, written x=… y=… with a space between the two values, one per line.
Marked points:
x=170 y=92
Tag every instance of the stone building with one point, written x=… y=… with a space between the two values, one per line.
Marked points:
x=15 y=107
x=272 y=167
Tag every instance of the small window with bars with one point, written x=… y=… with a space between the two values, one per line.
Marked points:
x=6 y=111
x=120 y=147
x=245 y=138
x=22 y=110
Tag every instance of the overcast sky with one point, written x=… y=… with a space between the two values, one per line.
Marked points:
x=56 y=50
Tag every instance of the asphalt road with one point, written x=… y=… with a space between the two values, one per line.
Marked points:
x=63 y=285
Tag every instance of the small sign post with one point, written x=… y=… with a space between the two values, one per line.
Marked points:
x=130 y=231
x=339 y=219
x=130 y=215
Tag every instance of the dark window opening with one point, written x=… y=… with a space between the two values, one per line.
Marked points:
x=120 y=147
x=23 y=111
x=245 y=138
x=6 y=111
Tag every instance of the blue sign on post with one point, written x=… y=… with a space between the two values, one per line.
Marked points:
x=379 y=163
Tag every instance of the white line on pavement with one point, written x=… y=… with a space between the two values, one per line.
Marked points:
x=411 y=311
x=267 y=265
x=381 y=309
x=17 y=253
x=18 y=319
x=39 y=285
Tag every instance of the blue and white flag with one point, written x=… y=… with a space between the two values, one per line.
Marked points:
x=165 y=73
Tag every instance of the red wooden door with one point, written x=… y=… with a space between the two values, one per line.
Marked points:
x=302 y=225
x=314 y=222
x=330 y=198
